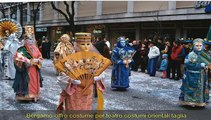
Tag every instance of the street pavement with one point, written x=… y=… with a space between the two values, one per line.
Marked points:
x=145 y=93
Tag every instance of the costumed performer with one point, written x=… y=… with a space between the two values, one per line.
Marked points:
x=121 y=58
x=28 y=79
x=195 y=84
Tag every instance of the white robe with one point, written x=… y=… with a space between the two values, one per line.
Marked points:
x=11 y=46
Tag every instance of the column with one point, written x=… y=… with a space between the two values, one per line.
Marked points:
x=138 y=31
x=28 y=12
x=171 y=5
x=9 y=12
x=56 y=15
x=18 y=14
x=41 y=13
x=178 y=31
x=76 y=8
x=99 y=8
x=130 y=6
x=185 y=33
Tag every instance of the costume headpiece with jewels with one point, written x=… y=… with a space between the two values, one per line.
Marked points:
x=83 y=37
x=29 y=31
x=11 y=26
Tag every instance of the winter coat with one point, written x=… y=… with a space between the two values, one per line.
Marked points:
x=164 y=64
x=178 y=53
x=153 y=52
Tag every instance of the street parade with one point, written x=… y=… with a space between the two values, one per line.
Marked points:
x=103 y=67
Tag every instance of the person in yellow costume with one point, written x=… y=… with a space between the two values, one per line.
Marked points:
x=63 y=49
x=71 y=97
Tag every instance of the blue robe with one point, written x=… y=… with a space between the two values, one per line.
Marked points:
x=120 y=73
x=195 y=84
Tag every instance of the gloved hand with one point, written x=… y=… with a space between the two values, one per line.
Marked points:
x=129 y=61
x=203 y=65
x=119 y=61
x=100 y=77
x=76 y=82
x=124 y=61
x=97 y=78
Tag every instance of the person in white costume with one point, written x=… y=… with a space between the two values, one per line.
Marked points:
x=11 y=46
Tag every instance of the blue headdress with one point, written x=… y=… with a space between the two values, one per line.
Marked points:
x=119 y=39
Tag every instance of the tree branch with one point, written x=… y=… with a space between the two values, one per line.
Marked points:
x=37 y=9
x=73 y=8
x=68 y=9
x=54 y=7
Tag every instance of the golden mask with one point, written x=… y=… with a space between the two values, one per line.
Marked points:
x=84 y=46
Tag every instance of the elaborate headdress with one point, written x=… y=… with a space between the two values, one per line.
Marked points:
x=119 y=39
x=65 y=38
x=11 y=26
x=29 y=30
x=198 y=40
x=83 y=37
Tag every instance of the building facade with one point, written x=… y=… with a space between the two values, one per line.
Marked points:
x=133 y=19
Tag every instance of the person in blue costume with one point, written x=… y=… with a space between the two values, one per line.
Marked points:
x=122 y=59
x=195 y=84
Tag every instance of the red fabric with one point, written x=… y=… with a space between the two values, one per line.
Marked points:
x=34 y=83
x=73 y=99
x=164 y=74
x=175 y=52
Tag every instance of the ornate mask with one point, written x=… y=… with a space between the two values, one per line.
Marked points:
x=198 y=46
x=123 y=43
x=84 y=46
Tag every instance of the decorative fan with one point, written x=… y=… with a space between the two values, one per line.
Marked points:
x=83 y=65
x=127 y=54
x=9 y=26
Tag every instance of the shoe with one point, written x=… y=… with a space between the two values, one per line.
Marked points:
x=171 y=78
x=176 y=78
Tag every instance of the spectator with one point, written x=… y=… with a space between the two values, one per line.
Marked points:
x=107 y=43
x=161 y=47
x=164 y=65
x=48 y=48
x=177 y=56
x=103 y=48
x=143 y=57
x=44 y=48
x=136 y=57
x=153 y=55
x=168 y=51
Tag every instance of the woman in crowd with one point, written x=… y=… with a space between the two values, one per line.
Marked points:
x=28 y=80
x=121 y=57
x=195 y=84
x=72 y=97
